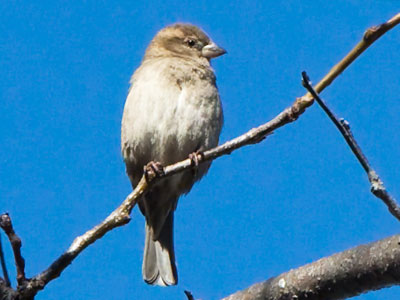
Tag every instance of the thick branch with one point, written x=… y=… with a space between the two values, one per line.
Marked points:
x=377 y=187
x=342 y=275
x=7 y=292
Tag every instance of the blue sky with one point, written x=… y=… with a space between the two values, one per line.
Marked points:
x=298 y=196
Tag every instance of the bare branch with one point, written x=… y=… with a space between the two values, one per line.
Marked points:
x=370 y=36
x=377 y=187
x=6 y=280
x=342 y=275
x=118 y=217
x=121 y=215
x=189 y=295
x=7 y=292
x=15 y=241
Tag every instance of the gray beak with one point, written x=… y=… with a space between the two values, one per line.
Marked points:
x=212 y=50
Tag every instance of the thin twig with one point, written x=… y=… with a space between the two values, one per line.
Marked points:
x=15 y=241
x=121 y=215
x=377 y=187
x=189 y=295
x=7 y=281
x=370 y=36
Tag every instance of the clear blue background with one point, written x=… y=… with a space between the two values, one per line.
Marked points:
x=298 y=196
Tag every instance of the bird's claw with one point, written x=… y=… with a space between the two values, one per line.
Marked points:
x=194 y=159
x=152 y=170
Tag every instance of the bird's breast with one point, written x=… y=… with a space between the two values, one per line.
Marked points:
x=171 y=111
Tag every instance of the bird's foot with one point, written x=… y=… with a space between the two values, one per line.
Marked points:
x=152 y=170
x=194 y=159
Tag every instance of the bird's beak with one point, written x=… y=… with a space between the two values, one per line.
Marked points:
x=212 y=50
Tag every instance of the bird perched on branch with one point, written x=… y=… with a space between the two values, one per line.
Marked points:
x=172 y=111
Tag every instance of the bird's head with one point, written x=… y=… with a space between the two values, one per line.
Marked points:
x=183 y=40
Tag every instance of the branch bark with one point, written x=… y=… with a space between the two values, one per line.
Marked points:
x=6 y=279
x=342 y=275
x=15 y=241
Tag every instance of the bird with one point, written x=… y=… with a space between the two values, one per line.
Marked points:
x=173 y=111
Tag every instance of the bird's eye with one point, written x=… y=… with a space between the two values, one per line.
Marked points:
x=190 y=42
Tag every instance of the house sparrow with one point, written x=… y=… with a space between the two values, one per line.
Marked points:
x=172 y=110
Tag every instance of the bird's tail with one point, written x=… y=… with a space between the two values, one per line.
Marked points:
x=159 y=258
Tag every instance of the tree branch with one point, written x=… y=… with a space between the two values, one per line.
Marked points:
x=342 y=275
x=6 y=279
x=121 y=215
x=370 y=36
x=7 y=292
x=15 y=241
x=189 y=295
x=377 y=187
